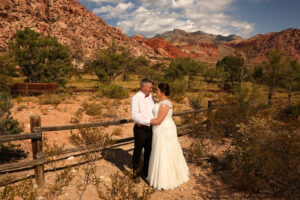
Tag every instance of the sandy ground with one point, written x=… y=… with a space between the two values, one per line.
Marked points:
x=204 y=182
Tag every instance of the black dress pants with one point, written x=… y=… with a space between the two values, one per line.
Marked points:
x=142 y=139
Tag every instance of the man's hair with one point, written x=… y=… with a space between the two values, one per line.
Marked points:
x=145 y=81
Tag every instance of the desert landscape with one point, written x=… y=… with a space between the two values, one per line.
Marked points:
x=67 y=78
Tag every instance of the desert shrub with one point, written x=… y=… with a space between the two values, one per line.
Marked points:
x=265 y=154
x=289 y=113
x=51 y=99
x=89 y=137
x=7 y=124
x=196 y=102
x=92 y=108
x=7 y=70
x=23 y=190
x=61 y=180
x=123 y=187
x=196 y=151
x=178 y=89
x=239 y=108
x=113 y=91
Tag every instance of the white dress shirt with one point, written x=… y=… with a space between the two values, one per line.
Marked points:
x=141 y=108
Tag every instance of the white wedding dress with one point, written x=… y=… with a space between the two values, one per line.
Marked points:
x=167 y=165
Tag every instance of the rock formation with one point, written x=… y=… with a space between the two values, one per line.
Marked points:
x=67 y=20
x=287 y=41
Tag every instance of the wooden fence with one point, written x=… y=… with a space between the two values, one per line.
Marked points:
x=40 y=157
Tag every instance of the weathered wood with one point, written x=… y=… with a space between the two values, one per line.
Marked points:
x=25 y=164
x=8 y=138
x=34 y=87
x=90 y=148
x=37 y=147
x=189 y=112
x=90 y=125
x=209 y=109
x=108 y=123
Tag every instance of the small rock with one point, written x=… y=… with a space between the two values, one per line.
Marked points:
x=73 y=170
x=181 y=189
x=71 y=158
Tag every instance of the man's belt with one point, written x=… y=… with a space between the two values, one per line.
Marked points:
x=143 y=126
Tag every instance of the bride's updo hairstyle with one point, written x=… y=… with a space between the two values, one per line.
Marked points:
x=164 y=88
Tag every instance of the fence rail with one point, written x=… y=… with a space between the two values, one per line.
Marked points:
x=40 y=157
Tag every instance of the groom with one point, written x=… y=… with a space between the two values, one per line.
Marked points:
x=141 y=109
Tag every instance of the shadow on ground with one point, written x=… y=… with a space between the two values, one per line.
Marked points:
x=118 y=157
x=11 y=153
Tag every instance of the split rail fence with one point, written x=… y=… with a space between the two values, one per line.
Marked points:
x=40 y=157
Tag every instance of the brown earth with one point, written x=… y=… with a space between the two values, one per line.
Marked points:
x=205 y=182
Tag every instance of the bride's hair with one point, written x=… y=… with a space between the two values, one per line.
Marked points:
x=165 y=88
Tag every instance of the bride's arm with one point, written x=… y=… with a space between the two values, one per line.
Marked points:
x=162 y=113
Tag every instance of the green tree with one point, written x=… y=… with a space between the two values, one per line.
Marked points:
x=233 y=66
x=291 y=80
x=181 y=67
x=278 y=71
x=7 y=70
x=7 y=124
x=247 y=54
x=41 y=59
x=114 y=61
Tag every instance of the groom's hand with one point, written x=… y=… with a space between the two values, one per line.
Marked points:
x=154 y=122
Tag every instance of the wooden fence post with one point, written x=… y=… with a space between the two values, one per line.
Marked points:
x=37 y=147
x=209 y=108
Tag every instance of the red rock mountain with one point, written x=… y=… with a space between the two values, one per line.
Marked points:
x=199 y=45
x=77 y=27
x=162 y=47
x=287 y=40
x=67 y=20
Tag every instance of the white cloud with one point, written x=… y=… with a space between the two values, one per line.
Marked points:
x=149 y=18
x=102 y=1
x=109 y=11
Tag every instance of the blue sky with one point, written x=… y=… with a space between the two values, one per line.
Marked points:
x=241 y=17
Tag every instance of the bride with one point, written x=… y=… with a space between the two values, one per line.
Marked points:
x=167 y=166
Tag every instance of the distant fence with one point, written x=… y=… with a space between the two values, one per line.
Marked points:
x=40 y=157
x=34 y=88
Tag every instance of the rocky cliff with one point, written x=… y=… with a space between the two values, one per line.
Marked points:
x=287 y=40
x=199 y=45
x=67 y=20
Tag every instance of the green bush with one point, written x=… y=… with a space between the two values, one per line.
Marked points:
x=290 y=112
x=123 y=187
x=7 y=124
x=92 y=108
x=113 y=91
x=52 y=99
x=240 y=108
x=264 y=154
x=178 y=89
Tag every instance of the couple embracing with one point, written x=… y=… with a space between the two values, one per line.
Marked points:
x=155 y=131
